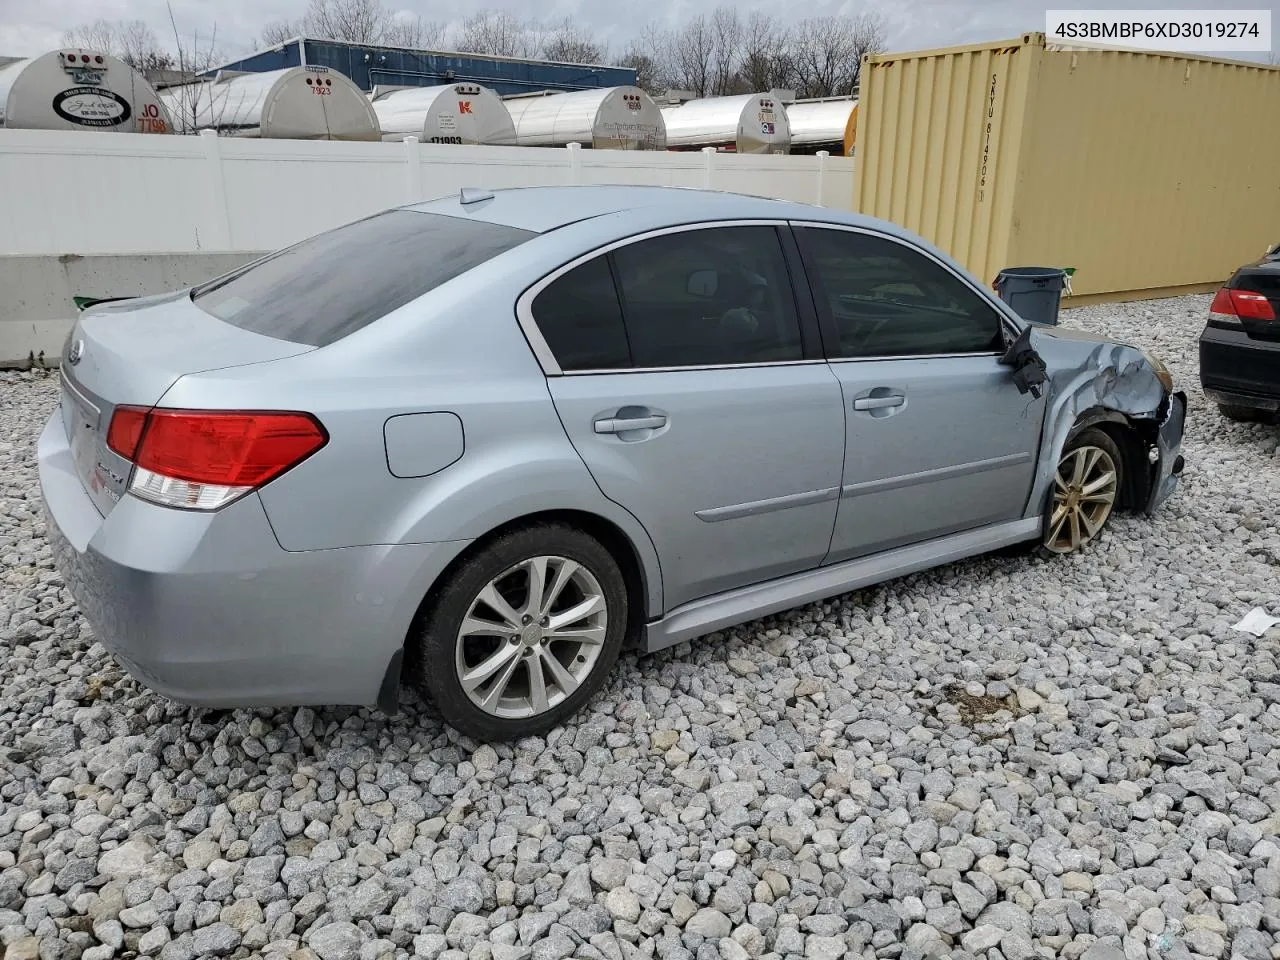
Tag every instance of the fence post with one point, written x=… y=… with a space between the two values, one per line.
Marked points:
x=708 y=166
x=413 y=169
x=218 y=227
x=822 y=175
x=575 y=162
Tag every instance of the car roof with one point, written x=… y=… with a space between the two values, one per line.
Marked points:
x=542 y=209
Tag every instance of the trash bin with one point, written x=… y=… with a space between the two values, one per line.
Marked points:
x=1034 y=293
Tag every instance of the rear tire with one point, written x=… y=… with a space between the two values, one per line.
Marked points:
x=523 y=633
x=1245 y=414
x=1085 y=492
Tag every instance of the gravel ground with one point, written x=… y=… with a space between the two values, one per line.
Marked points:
x=1004 y=758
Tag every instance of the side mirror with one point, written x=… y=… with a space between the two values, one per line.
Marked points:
x=1029 y=371
x=703 y=283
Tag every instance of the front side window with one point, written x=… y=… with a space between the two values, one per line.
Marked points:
x=708 y=297
x=322 y=289
x=886 y=300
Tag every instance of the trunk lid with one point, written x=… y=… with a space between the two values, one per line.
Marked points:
x=132 y=352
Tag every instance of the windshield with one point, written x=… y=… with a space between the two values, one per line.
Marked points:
x=322 y=289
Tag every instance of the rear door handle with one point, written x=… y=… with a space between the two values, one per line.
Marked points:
x=878 y=403
x=623 y=424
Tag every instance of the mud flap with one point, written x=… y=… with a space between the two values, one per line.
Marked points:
x=389 y=691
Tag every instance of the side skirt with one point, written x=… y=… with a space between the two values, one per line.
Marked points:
x=747 y=603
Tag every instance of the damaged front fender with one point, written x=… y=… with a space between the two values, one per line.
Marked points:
x=1087 y=376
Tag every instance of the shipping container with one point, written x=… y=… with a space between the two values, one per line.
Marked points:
x=450 y=113
x=620 y=118
x=299 y=103
x=76 y=89
x=1150 y=173
x=370 y=65
x=821 y=124
x=749 y=123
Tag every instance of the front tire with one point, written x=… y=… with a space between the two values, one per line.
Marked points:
x=523 y=633
x=1086 y=488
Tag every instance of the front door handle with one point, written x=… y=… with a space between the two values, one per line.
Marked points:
x=623 y=424
x=878 y=403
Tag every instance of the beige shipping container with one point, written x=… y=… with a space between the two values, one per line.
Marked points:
x=1150 y=173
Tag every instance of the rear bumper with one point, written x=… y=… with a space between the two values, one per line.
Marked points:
x=207 y=609
x=1238 y=369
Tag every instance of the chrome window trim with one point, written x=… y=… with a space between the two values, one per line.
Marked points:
x=542 y=351
x=915 y=356
x=596 y=372
x=1006 y=322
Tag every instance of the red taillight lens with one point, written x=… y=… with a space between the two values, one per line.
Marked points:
x=203 y=459
x=1251 y=306
x=227 y=449
x=126 y=430
x=1222 y=303
x=1244 y=304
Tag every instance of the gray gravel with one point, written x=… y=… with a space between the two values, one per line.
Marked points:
x=1007 y=758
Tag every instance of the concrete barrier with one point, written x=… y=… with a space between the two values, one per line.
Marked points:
x=37 y=293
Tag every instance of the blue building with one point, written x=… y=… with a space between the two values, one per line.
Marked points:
x=369 y=65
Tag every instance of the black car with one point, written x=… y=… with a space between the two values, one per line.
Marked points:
x=1240 y=346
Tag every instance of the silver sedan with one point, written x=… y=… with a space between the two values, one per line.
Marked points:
x=482 y=442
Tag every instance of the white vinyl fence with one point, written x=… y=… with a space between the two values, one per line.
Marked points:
x=108 y=193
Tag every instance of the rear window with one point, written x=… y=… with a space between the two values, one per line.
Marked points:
x=322 y=289
x=1265 y=282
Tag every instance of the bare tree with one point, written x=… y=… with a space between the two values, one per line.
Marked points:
x=414 y=32
x=648 y=75
x=765 y=62
x=826 y=53
x=650 y=56
x=277 y=32
x=498 y=33
x=194 y=103
x=355 y=21
x=566 y=42
x=131 y=40
x=693 y=56
x=726 y=40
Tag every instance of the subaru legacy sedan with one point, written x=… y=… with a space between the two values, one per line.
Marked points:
x=484 y=441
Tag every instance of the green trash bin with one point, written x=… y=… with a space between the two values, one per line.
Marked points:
x=1034 y=293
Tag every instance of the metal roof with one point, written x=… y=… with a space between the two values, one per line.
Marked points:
x=363 y=45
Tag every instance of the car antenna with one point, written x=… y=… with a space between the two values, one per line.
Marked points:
x=474 y=195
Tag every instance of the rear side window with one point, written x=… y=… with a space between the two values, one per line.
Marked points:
x=322 y=289
x=579 y=317
x=886 y=300
x=708 y=297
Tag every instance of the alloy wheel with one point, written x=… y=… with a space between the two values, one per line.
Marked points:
x=531 y=637
x=1085 y=488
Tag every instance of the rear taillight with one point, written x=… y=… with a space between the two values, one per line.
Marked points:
x=1244 y=304
x=204 y=459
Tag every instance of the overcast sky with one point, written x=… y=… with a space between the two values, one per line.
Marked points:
x=30 y=27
